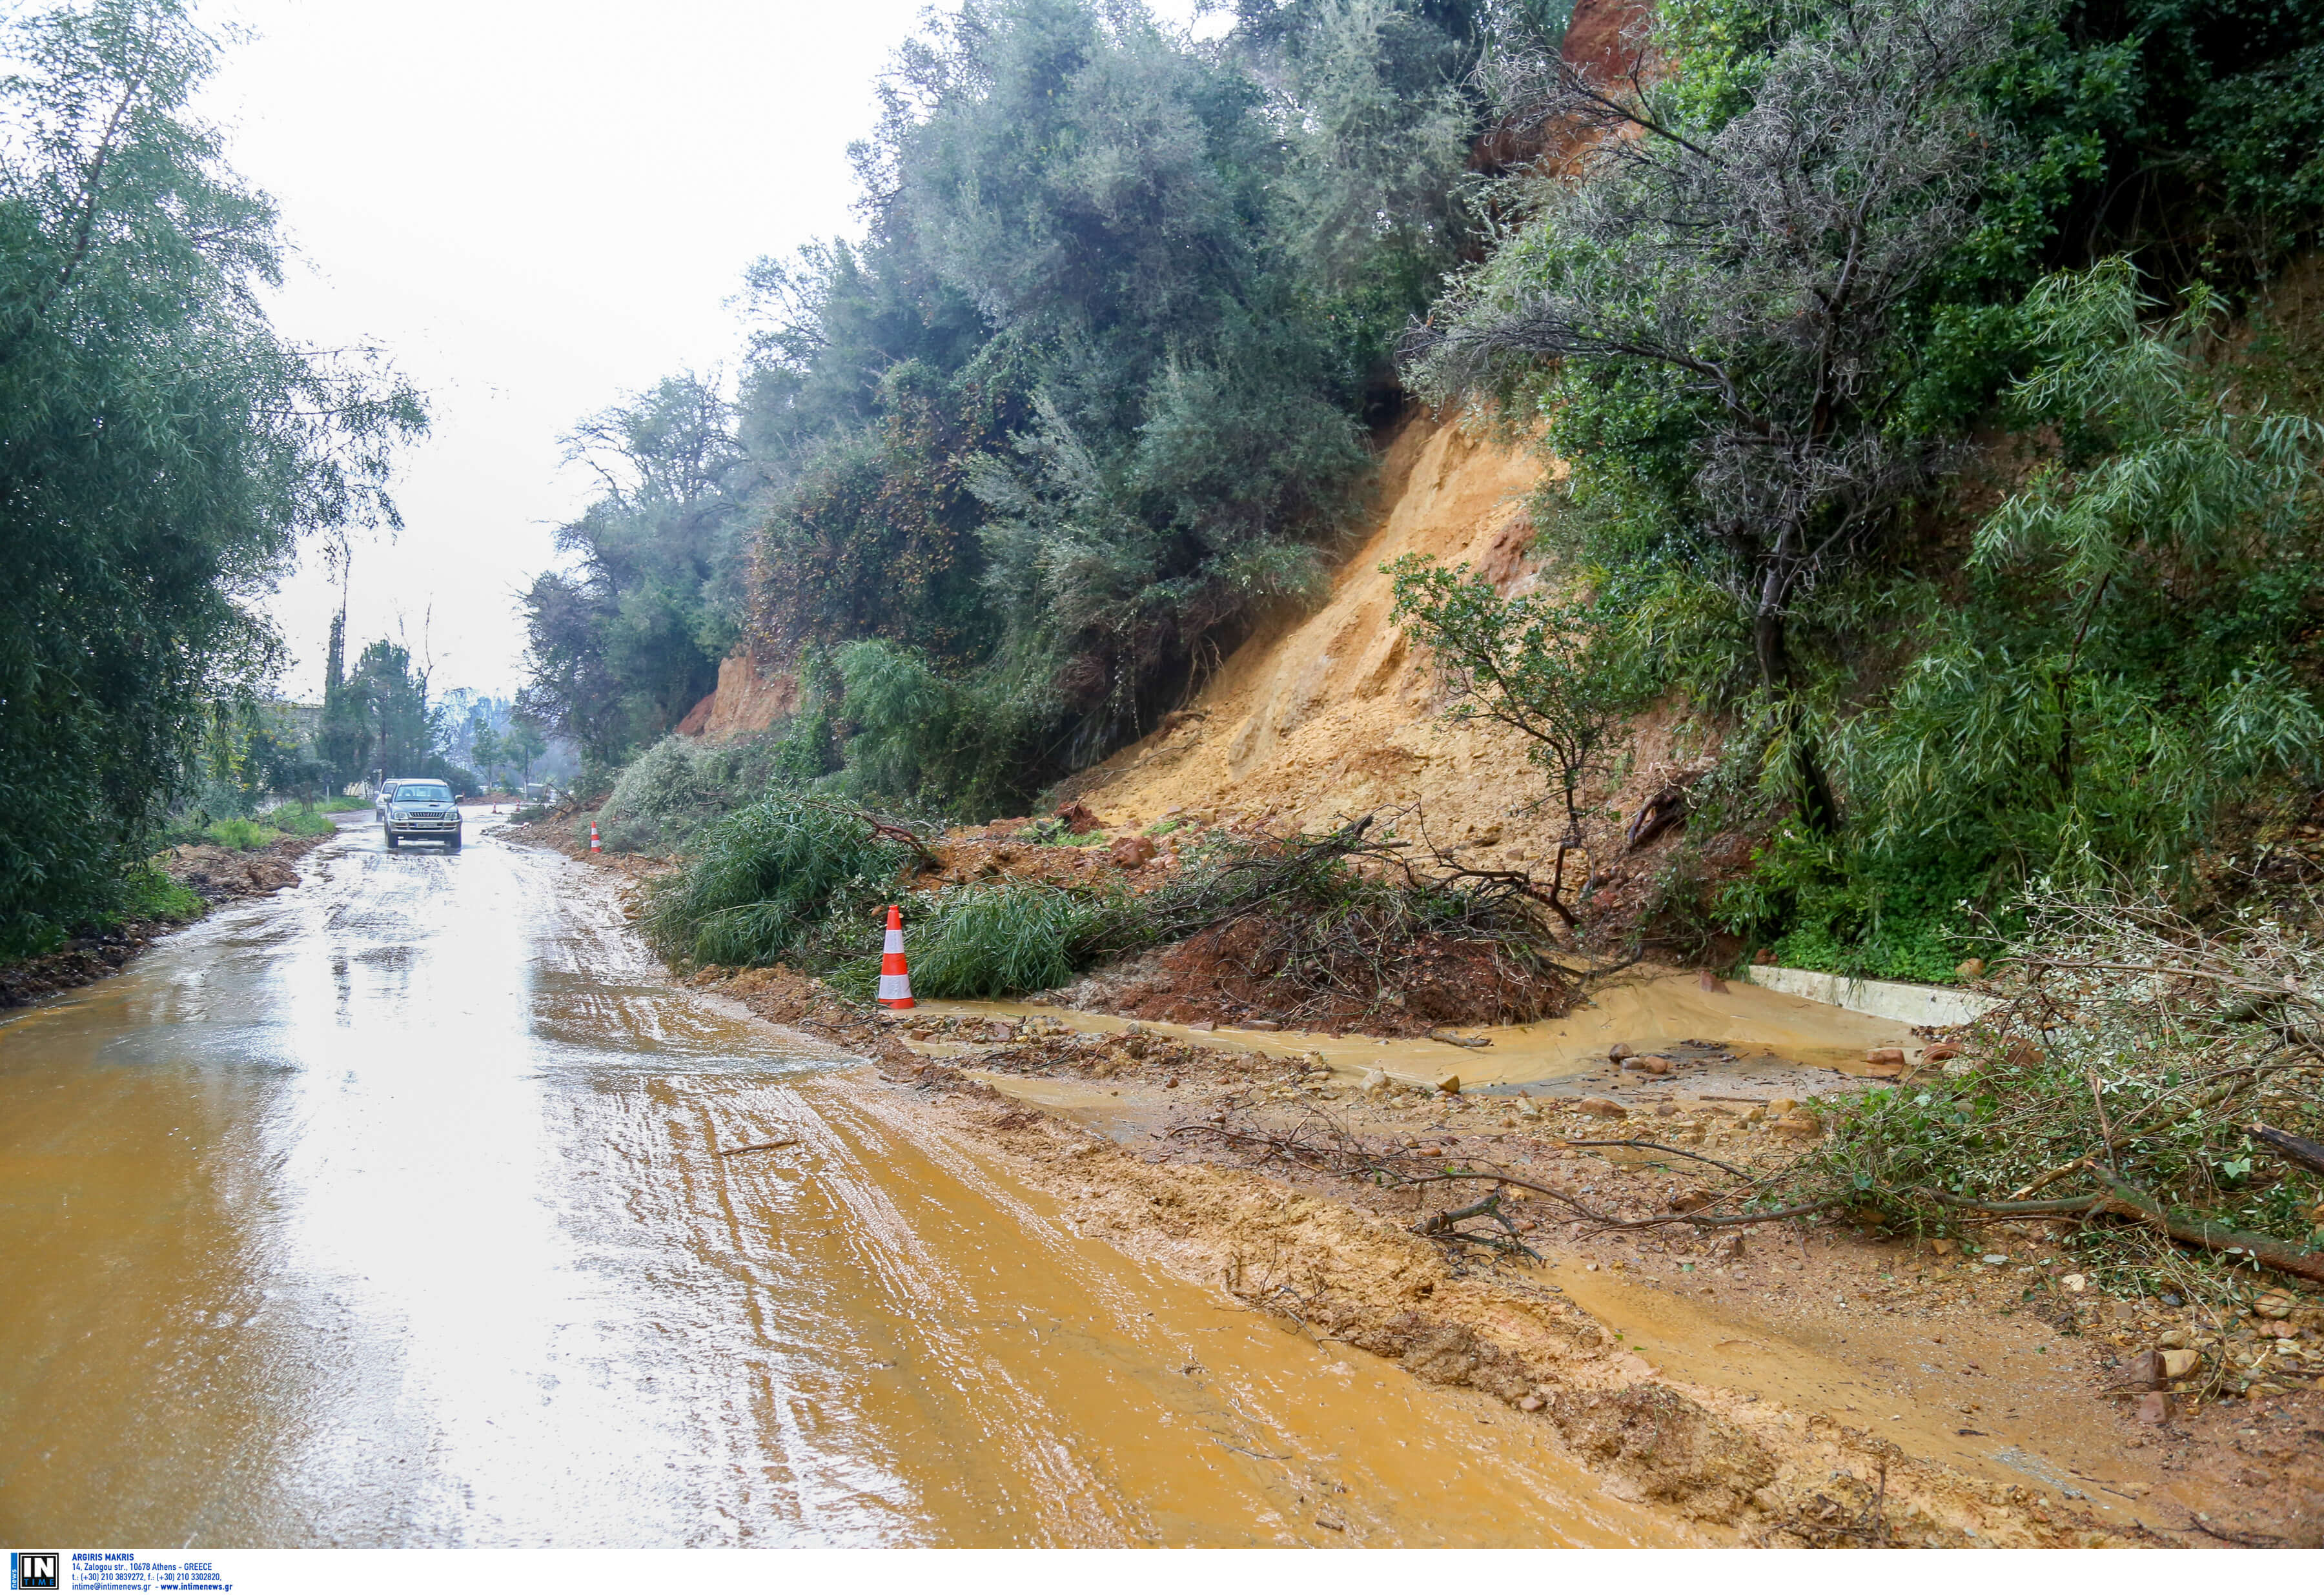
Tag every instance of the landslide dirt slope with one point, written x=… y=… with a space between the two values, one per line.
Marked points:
x=1335 y=714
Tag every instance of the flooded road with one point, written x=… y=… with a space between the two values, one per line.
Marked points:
x=389 y=1211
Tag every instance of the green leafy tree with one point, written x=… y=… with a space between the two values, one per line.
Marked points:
x=1084 y=403
x=162 y=450
x=484 y=747
x=2126 y=669
x=1747 y=274
x=1537 y=663
x=390 y=700
x=629 y=639
x=522 y=744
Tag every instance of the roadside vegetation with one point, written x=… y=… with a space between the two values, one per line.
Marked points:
x=1933 y=380
x=2147 y=1093
x=130 y=652
x=247 y=835
x=1332 y=920
x=1948 y=490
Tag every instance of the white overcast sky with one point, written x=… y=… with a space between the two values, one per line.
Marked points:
x=537 y=208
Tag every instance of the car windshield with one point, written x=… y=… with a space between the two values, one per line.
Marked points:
x=423 y=792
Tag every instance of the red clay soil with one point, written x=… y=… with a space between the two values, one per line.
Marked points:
x=1230 y=976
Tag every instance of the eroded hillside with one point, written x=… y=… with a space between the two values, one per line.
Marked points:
x=1335 y=713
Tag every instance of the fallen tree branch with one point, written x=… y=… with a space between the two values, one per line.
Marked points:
x=1732 y=1221
x=1446 y=1225
x=892 y=829
x=1345 y=1156
x=2129 y=1202
x=2061 y=1207
x=2292 y=1148
x=2261 y=1249
x=1658 y=1147
x=1656 y=815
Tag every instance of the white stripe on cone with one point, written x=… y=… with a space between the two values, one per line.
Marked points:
x=895 y=978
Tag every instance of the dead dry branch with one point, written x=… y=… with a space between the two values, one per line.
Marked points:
x=1316 y=1142
x=2152 y=1084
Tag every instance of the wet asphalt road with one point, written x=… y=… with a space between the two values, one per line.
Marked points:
x=388 y=1211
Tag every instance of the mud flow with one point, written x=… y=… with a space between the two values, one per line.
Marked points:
x=415 y=1206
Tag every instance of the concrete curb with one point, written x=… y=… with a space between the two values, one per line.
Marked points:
x=1902 y=1000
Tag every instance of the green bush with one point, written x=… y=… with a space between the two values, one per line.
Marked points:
x=986 y=941
x=302 y=822
x=663 y=798
x=765 y=884
x=241 y=835
x=919 y=737
x=1820 y=904
x=149 y=894
x=803 y=880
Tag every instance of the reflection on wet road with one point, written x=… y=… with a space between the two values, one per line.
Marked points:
x=389 y=1210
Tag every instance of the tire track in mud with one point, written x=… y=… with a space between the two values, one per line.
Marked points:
x=988 y=1376
x=1756 y=1469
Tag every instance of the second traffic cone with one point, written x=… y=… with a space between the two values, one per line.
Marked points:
x=895 y=980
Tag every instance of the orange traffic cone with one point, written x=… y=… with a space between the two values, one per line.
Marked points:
x=595 y=845
x=895 y=980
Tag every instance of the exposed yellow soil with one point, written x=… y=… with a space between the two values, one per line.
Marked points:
x=1758 y=1387
x=1334 y=715
x=1744 y=1466
x=1649 y=1008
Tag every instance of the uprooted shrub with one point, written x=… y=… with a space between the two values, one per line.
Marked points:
x=765 y=884
x=2151 y=1087
x=669 y=793
x=1362 y=925
x=984 y=941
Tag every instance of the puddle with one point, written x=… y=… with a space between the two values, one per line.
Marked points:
x=1768 y=1037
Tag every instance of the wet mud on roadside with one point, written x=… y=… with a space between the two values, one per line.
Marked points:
x=1825 y=1344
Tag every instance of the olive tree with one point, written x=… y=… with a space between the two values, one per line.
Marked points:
x=1749 y=259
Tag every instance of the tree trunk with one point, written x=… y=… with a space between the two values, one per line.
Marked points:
x=1770 y=647
x=1811 y=788
x=1818 y=808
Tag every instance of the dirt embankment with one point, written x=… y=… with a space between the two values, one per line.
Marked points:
x=214 y=874
x=1334 y=715
x=222 y=874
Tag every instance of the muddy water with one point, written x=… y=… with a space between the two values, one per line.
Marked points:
x=1648 y=1011
x=391 y=1211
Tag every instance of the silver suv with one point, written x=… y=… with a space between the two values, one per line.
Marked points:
x=418 y=811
